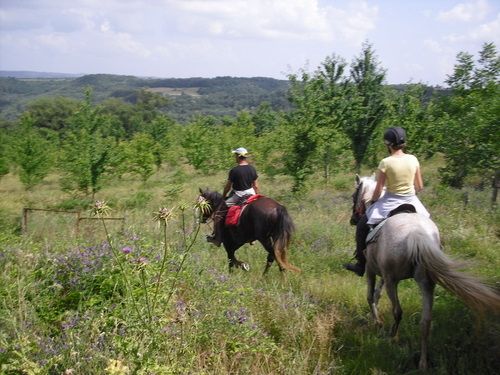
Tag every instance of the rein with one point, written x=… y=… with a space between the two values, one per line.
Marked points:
x=356 y=207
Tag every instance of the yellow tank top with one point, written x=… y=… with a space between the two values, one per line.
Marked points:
x=400 y=173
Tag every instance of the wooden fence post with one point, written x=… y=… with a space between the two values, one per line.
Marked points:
x=24 y=222
x=495 y=186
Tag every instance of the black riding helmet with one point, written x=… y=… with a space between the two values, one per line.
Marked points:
x=395 y=136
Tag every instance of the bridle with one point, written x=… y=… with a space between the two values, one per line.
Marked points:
x=357 y=208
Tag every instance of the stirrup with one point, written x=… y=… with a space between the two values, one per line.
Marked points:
x=356 y=268
x=211 y=239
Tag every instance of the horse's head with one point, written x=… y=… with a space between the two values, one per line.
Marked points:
x=207 y=202
x=361 y=197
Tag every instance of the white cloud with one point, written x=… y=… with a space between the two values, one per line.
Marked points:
x=488 y=31
x=278 y=19
x=126 y=43
x=485 y=32
x=105 y=26
x=433 y=45
x=466 y=12
x=53 y=40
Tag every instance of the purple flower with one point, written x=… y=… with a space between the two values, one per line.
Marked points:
x=237 y=316
x=126 y=250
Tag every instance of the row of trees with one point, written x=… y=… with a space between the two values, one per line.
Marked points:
x=338 y=114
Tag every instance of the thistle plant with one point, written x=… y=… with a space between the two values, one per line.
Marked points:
x=162 y=216
x=200 y=206
x=101 y=209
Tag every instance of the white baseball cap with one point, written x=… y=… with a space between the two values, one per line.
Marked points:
x=241 y=151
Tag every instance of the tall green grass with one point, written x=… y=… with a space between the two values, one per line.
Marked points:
x=65 y=307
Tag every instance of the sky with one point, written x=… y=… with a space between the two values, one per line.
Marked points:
x=416 y=41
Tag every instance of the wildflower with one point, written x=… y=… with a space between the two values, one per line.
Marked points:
x=202 y=206
x=141 y=262
x=237 y=316
x=126 y=250
x=116 y=367
x=163 y=215
x=181 y=310
x=100 y=208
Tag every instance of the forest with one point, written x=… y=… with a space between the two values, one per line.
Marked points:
x=334 y=115
x=153 y=297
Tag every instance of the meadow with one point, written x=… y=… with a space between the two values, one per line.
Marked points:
x=152 y=297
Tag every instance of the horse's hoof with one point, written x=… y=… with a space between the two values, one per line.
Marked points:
x=245 y=266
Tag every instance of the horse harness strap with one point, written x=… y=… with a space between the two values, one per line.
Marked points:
x=373 y=234
x=404 y=208
x=234 y=212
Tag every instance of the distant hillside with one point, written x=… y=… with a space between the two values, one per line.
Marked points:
x=30 y=74
x=188 y=97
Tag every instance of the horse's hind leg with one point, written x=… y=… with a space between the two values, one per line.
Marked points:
x=372 y=297
x=392 y=291
x=378 y=290
x=270 y=255
x=427 y=287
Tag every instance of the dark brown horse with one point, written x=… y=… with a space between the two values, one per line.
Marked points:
x=263 y=220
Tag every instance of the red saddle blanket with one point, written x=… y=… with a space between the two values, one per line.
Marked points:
x=234 y=212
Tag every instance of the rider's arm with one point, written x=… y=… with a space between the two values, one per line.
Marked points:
x=228 y=187
x=418 y=182
x=255 y=186
x=380 y=185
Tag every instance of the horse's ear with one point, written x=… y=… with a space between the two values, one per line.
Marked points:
x=358 y=179
x=201 y=191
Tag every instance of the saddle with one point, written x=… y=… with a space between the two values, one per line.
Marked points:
x=404 y=208
x=234 y=212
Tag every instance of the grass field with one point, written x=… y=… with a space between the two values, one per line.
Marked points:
x=173 y=91
x=150 y=298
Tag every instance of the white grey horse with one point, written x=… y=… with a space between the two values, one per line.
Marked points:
x=409 y=246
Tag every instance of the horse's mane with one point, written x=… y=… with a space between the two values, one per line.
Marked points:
x=368 y=186
x=213 y=196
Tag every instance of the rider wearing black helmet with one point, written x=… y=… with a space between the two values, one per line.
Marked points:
x=401 y=176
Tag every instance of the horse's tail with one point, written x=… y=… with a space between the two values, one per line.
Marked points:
x=426 y=251
x=281 y=234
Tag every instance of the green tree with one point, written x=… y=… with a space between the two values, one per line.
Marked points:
x=461 y=79
x=265 y=118
x=332 y=85
x=470 y=139
x=197 y=141
x=140 y=156
x=488 y=70
x=366 y=96
x=319 y=113
x=159 y=130
x=52 y=112
x=86 y=152
x=4 y=161
x=412 y=110
x=31 y=153
x=301 y=128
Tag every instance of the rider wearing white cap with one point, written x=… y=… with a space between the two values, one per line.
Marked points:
x=242 y=181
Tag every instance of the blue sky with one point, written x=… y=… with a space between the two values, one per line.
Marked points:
x=415 y=41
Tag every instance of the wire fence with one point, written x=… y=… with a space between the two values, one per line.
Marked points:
x=45 y=223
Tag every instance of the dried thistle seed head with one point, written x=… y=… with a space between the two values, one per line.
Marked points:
x=141 y=262
x=202 y=205
x=163 y=215
x=183 y=206
x=100 y=208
